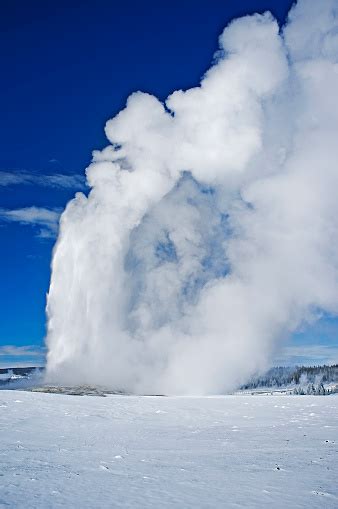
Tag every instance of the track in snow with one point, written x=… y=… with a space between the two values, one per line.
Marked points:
x=126 y=451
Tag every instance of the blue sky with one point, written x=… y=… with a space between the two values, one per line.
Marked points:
x=66 y=68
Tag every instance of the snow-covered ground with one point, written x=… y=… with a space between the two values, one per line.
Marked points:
x=126 y=451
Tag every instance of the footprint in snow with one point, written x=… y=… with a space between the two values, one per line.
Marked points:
x=323 y=494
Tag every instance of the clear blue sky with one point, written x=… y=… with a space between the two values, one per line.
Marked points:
x=67 y=67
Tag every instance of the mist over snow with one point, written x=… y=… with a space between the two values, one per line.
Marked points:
x=211 y=229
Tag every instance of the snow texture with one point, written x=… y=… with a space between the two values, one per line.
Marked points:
x=149 y=452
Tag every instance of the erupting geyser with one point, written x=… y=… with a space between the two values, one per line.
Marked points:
x=211 y=228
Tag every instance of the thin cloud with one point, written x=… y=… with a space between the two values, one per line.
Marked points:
x=19 y=351
x=308 y=355
x=45 y=220
x=56 y=180
x=12 y=356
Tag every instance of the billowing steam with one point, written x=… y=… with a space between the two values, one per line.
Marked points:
x=211 y=228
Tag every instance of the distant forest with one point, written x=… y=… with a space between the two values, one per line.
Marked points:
x=319 y=380
x=307 y=379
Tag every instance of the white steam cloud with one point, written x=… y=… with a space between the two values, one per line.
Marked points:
x=211 y=228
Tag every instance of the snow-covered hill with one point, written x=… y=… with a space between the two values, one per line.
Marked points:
x=150 y=452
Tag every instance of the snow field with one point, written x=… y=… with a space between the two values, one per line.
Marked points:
x=146 y=452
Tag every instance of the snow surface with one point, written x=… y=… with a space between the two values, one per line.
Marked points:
x=140 y=452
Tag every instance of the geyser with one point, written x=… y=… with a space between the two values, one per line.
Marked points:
x=211 y=228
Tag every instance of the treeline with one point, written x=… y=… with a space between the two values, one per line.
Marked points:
x=19 y=371
x=303 y=376
x=315 y=390
x=10 y=375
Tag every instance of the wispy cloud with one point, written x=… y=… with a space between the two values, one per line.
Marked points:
x=15 y=356
x=18 y=351
x=308 y=355
x=24 y=177
x=45 y=220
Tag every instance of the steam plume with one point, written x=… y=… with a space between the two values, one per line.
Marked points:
x=210 y=231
